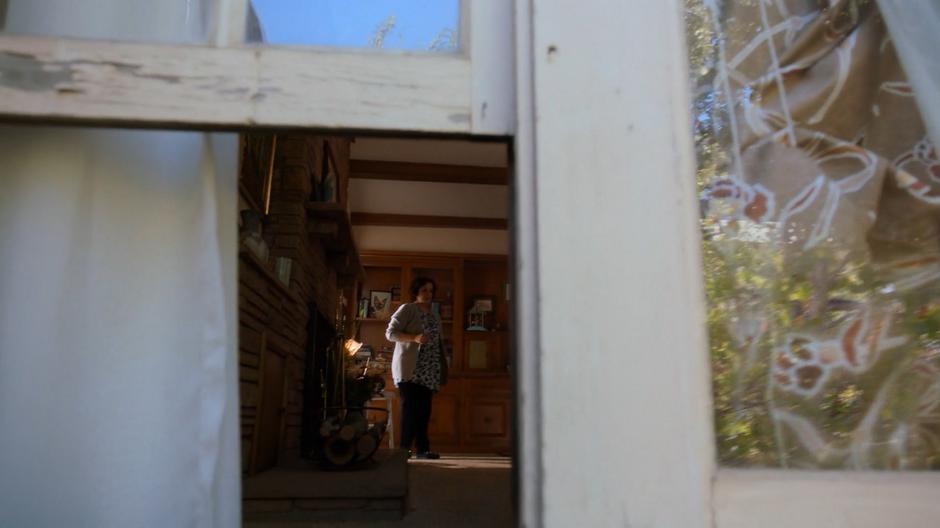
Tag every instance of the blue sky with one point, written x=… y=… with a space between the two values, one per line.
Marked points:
x=352 y=23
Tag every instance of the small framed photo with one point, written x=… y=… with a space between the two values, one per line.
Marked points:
x=436 y=308
x=483 y=304
x=396 y=293
x=380 y=304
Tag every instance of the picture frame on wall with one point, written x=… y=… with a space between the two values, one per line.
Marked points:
x=483 y=304
x=380 y=304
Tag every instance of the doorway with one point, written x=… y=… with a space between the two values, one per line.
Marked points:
x=333 y=229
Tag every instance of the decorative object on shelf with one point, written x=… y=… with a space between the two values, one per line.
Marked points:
x=483 y=303
x=362 y=312
x=436 y=308
x=380 y=304
x=282 y=268
x=250 y=234
x=476 y=321
x=364 y=353
x=396 y=293
x=481 y=306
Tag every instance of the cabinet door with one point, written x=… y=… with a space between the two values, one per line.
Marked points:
x=444 y=427
x=488 y=420
x=487 y=414
x=484 y=351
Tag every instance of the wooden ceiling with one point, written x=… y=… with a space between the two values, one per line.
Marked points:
x=427 y=172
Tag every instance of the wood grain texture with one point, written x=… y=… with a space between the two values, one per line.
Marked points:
x=493 y=66
x=620 y=291
x=186 y=86
x=427 y=172
x=400 y=220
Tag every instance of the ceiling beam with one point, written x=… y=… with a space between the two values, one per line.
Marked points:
x=427 y=172
x=400 y=220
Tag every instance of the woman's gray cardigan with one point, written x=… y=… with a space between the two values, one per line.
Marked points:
x=407 y=320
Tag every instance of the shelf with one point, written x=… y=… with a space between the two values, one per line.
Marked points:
x=250 y=257
x=332 y=227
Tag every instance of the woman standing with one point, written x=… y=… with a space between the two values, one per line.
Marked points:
x=419 y=367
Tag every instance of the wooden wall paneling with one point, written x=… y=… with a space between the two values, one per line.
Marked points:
x=487 y=413
x=444 y=427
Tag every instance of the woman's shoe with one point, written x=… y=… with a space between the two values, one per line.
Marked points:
x=429 y=455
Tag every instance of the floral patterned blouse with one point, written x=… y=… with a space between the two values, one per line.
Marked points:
x=428 y=368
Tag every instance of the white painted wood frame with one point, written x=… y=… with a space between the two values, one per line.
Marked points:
x=625 y=436
x=614 y=351
x=232 y=85
x=610 y=325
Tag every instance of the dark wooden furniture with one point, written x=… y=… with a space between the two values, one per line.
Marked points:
x=472 y=413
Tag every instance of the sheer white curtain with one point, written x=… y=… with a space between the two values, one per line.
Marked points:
x=118 y=373
x=915 y=28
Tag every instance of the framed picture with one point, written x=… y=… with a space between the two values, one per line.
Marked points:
x=380 y=304
x=436 y=308
x=482 y=303
x=396 y=293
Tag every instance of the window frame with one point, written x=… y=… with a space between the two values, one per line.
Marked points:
x=229 y=84
x=588 y=134
x=614 y=350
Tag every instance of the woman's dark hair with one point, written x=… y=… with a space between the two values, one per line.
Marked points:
x=418 y=282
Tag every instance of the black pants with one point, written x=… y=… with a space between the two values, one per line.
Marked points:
x=415 y=415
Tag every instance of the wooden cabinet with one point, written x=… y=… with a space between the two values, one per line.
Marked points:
x=485 y=351
x=472 y=412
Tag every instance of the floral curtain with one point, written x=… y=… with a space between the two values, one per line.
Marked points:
x=820 y=201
